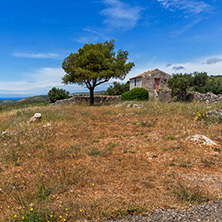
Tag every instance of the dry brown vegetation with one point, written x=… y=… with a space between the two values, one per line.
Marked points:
x=101 y=162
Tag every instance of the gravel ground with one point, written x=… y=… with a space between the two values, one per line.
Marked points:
x=209 y=212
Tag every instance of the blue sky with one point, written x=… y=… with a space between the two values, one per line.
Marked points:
x=172 y=35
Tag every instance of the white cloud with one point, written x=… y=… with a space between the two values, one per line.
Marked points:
x=187 y=6
x=39 y=82
x=36 y=55
x=120 y=14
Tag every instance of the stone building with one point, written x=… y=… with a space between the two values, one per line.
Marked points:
x=153 y=81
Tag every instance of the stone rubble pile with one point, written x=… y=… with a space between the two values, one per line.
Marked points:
x=208 y=97
x=86 y=99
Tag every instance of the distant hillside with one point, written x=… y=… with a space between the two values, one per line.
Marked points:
x=40 y=98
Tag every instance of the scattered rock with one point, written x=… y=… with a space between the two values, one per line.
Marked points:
x=47 y=125
x=36 y=117
x=129 y=106
x=201 y=138
x=138 y=106
x=215 y=113
x=119 y=105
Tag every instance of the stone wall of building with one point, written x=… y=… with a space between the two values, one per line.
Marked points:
x=86 y=99
x=148 y=81
x=165 y=95
x=208 y=97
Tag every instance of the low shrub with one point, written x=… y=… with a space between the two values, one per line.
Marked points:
x=136 y=94
x=57 y=94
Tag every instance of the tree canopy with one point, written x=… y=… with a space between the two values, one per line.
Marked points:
x=179 y=83
x=95 y=64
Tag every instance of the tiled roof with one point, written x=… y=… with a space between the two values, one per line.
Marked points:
x=145 y=73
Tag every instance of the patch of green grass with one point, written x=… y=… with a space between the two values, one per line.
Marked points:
x=171 y=137
x=92 y=151
x=43 y=190
x=189 y=193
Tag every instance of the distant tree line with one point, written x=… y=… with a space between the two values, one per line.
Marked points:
x=118 y=88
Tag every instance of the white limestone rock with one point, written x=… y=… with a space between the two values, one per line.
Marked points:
x=201 y=138
x=35 y=118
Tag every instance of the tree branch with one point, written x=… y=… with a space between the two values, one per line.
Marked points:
x=106 y=80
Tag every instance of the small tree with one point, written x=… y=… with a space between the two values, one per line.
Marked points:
x=57 y=94
x=118 y=88
x=179 y=83
x=95 y=64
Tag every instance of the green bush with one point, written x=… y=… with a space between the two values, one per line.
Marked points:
x=57 y=94
x=136 y=94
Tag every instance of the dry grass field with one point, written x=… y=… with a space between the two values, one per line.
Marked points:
x=82 y=162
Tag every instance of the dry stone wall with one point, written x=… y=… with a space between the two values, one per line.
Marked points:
x=208 y=97
x=86 y=99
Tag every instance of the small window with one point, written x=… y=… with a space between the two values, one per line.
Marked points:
x=134 y=82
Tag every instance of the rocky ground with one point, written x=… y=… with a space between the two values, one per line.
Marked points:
x=209 y=212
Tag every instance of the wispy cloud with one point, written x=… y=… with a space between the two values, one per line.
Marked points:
x=187 y=6
x=185 y=28
x=36 y=55
x=212 y=61
x=120 y=14
x=92 y=35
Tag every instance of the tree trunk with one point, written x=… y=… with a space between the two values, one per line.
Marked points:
x=91 y=96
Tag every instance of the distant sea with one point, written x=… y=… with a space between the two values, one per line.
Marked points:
x=11 y=98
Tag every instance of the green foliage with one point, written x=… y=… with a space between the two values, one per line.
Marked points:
x=57 y=94
x=179 y=83
x=95 y=64
x=200 y=82
x=118 y=88
x=171 y=137
x=215 y=84
x=136 y=94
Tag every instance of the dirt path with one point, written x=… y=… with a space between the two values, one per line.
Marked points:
x=209 y=212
